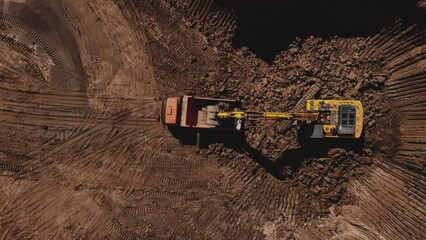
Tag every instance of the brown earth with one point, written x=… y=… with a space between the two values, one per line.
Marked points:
x=82 y=155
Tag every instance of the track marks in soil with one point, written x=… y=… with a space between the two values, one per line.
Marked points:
x=398 y=216
x=32 y=68
x=406 y=87
x=49 y=208
x=47 y=46
x=209 y=14
x=256 y=198
x=175 y=63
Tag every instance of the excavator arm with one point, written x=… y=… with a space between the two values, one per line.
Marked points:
x=254 y=116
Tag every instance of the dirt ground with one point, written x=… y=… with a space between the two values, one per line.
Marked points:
x=82 y=155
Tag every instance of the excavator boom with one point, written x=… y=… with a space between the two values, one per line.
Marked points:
x=253 y=116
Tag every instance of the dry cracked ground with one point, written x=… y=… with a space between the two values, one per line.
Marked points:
x=82 y=155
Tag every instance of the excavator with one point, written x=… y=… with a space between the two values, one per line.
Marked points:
x=322 y=118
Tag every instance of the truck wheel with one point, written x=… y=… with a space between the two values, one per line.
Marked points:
x=333 y=131
x=198 y=140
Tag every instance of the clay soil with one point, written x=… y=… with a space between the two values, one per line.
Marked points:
x=83 y=156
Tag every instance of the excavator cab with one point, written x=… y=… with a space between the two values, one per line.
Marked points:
x=346 y=120
x=338 y=119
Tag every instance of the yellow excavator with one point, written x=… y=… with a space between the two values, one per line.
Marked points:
x=322 y=118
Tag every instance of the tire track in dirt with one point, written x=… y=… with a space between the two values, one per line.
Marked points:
x=104 y=59
x=47 y=46
x=56 y=99
x=33 y=69
x=96 y=126
x=209 y=14
x=46 y=204
x=93 y=66
x=132 y=225
x=391 y=222
x=43 y=119
x=63 y=110
x=171 y=57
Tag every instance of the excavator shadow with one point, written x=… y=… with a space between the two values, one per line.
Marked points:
x=291 y=160
x=281 y=168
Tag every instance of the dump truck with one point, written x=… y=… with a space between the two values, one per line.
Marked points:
x=321 y=118
x=196 y=112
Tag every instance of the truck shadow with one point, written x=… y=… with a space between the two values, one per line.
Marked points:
x=188 y=136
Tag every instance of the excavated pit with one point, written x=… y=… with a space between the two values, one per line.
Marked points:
x=82 y=155
x=268 y=27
